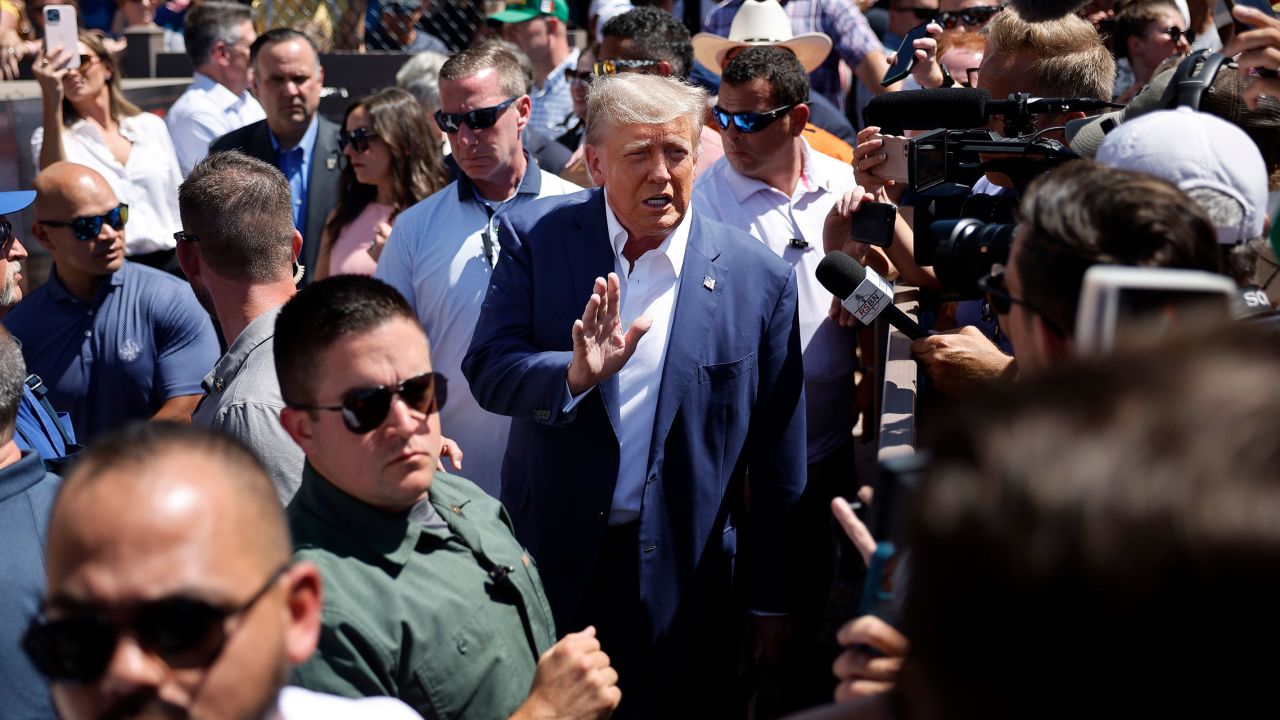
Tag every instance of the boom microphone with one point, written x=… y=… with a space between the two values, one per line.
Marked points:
x=958 y=108
x=863 y=293
x=1040 y=10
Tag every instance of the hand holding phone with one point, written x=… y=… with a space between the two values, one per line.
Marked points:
x=1257 y=47
x=873 y=224
x=904 y=60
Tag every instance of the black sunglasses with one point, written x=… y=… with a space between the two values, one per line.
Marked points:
x=184 y=632
x=613 y=67
x=357 y=139
x=573 y=76
x=971 y=17
x=748 y=122
x=478 y=119
x=1001 y=301
x=1176 y=33
x=365 y=409
x=6 y=236
x=184 y=236
x=87 y=228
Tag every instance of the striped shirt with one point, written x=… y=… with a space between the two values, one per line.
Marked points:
x=553 y=105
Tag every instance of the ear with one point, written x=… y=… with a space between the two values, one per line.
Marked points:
x=594 y=167
x=524 y=111
x=298 y=424
x=220 y=54
x=42 y=236
x=799 y=119
x=304 y=600
x=664 y=68
x=297 y=245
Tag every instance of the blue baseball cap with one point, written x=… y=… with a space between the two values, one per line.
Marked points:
x=15 y=200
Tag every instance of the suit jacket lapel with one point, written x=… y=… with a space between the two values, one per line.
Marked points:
x=589 y=256
x=691 y=323
x=322 y=188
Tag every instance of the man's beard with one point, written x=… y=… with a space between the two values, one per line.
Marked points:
x=9 y=296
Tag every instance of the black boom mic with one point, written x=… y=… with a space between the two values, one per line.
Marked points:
x=863 y=293
x=951 y=108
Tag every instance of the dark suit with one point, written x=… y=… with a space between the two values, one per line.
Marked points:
x=730 y=406
x=322 y=180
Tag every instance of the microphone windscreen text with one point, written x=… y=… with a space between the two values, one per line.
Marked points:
x=863 y=293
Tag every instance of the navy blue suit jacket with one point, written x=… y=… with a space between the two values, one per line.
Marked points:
x=730 y=411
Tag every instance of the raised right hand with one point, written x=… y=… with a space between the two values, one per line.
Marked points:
x=574 y=681
x=50 y=70
x=600 y=348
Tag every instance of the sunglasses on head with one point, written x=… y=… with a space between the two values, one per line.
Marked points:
x=1176 y=33
x=478 y=119
x=184 y=632
x=971 y=17
x=87 y=228
x=358 y=139
x=613 y=67
x=748 y=122
x=365 y=409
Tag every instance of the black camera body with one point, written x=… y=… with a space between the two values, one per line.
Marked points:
x=963 y=251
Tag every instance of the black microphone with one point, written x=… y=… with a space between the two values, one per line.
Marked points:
x=952 y=108
x=864 y=293
x=1039 y=10
x=1048 y=106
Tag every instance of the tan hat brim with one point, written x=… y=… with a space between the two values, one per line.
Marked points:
x=811 y=48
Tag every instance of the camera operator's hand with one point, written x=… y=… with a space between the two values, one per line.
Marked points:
x=927 y=71
x=860 y=673
x=961 y=361
x=1258 y=48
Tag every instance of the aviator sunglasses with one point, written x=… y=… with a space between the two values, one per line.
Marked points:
x=1176 y=33
x=971 y=17
x=748 y=122
x=184 y=632
x=365 y=409
x=87 y=228
x=478 y=119
x=358 y=139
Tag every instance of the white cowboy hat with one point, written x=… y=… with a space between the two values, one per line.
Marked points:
x=761 y=22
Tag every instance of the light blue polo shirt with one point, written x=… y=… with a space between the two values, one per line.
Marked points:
x=142 y=340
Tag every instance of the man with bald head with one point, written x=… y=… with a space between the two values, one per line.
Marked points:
x=113 y=340
x=171 y=591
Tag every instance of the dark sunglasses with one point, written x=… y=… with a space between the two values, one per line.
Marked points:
x=1001 y=302
x=971 y=17
x=748 y=122
x=613 y=67
x=478 y=119
x=365 y=409
x=6 y=236
x=183 y=632
x=1176 y=33
x=184 y=236
x=573 y=76
x=357 y=139
x=87 y=228
x=922 y=14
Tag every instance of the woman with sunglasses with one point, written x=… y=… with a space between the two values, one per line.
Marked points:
x=1148 y=33
x=393 y=161
x=88 y=121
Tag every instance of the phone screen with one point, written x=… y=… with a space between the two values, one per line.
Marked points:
x=906 y=55
x=928 y=160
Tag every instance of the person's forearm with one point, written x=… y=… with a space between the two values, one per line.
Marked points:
x=51 y=149
x=901 y=252
x=177 y=409
x=871 y=71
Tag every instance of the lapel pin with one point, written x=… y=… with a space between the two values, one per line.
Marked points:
x=331 y=162
x=708 y=282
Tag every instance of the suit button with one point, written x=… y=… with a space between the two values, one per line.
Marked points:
x=650 y=548
x=463 y=646
x=541 y=414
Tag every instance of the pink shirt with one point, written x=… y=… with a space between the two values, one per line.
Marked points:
x=350 y=251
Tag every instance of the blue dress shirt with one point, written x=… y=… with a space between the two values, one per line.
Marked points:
x=295 y=163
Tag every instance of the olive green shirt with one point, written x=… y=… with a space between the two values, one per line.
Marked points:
x=448 y=617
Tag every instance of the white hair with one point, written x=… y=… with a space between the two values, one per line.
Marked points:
x=633 y=98
x=420 y=77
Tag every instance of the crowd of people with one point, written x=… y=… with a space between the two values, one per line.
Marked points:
x=522 y=390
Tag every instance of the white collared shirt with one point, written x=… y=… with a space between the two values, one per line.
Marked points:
x=724 y=194
x=148 y=183
x=204 y=113
x=647 y=289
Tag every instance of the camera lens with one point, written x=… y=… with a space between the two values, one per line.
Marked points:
x=967 y=249
x=54 y=15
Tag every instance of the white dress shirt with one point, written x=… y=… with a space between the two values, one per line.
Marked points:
x=147 y=183
x=204 y=113
x=295 y=703
x=436 y=258
x=724 y=194
x=647 y=289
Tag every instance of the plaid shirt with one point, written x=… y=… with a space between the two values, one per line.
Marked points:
x=839 y=19
x=553 y=105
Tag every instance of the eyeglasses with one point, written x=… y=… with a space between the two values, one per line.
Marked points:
x=87 y=228
x=183 y=236
x=478 y=119
x=1176 y=33
x=970 y=17
x=358 y=139
x=1001 y=302
x=184 y=632
x=6 y=237
x=573 y=76
x=365 y=409
x=748 y=122
x=613 y=67
x=921 y=13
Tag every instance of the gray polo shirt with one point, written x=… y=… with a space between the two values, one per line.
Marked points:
x=243 y=400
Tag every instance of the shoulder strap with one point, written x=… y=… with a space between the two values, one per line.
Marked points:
x=41 y=393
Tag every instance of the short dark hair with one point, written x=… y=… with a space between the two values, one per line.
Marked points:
x=655 y=34
x=492 y=53
x=209 y=23
x=322 y=313
x=13 y=378
x=241 y=209
x=279 y=35
x=1078 y=518
x=779 y=66
x=1083 y=214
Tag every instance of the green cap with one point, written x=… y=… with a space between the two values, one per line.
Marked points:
x=517 y=11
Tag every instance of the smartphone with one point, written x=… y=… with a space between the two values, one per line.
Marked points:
x=1127 y=305
x=906 y=55
x=895 y=166
x=60 y=30
x=873 y=224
